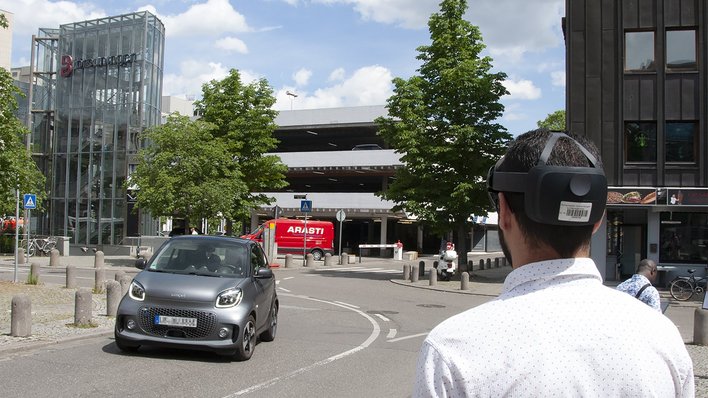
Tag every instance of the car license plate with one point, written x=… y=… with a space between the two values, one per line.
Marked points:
x=175 y=321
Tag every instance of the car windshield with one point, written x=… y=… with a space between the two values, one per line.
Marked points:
x=212 y=257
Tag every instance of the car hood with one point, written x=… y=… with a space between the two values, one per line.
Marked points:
x=162 y=285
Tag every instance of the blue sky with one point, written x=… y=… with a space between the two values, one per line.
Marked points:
x=330 y=53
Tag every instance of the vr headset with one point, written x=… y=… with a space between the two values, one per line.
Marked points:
x=555 y=195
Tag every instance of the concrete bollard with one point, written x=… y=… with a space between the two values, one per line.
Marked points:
x=113 y=296
x=328 y=259
x=54 y=258
x=503 y=261
x=99 y=280
x=83 y=305
x=481 y=264
x=344 y=259
x=118 y=275
x=70 y=276
x=470 y=265
x=488 y=264
x=20 y=255
x=21 y=316
x=433 y=278
x=309 y=260
x=34 y=271
x=406 y=272
x=125 y=282
x=98 y=260
x=288 y=261
x=700 y=327
x=465 y=281
x=496 y=262
x=421 y=269
x=414 y=273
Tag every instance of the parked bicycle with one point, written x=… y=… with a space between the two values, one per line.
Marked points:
x=684 y=287
x=41 y=245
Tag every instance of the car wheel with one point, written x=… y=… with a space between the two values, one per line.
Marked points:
x=244 y=351
x=124 y=346
x=269 y=334
x=317 y=255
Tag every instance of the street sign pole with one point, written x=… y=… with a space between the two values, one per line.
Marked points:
x=17 y=232
x=304 y=244
x=340 y=217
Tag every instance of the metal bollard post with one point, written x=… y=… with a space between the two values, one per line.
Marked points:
x=99 y=280
x=700 y=327
x=414 y=273
x=481 y=264
x=98 y=260
x=421 y=268
x=433 y=278
x=406 y=272
x=125 y=282
x=82 y=307
x=70 y=276
x=310 y=260
x=113 y=297
x=54 y=258
x=465 y=281
x=288 y=261
x=21 y=316
x=328 y=259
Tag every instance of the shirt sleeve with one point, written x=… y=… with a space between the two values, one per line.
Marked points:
x=651 y=297
x=433 y=376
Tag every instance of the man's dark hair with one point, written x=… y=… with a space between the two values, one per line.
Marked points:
x=522 y=155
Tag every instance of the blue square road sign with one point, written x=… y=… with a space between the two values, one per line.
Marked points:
x=30 y=201
x=306 y=206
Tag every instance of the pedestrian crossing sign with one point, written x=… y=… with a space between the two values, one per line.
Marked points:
x=306 y=206
x=30 y=201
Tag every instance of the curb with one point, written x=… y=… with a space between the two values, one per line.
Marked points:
x=441 y=289
x=20 y=347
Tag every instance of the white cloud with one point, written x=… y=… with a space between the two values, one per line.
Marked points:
x=522 y=89
x=212 y=18
x=558 y=78
x=30 y=15
x=232 y=44
x=193 y=74
x=302 y=77
x=367 y=86
x=337 y=74
x=513 y=112
x=412 y=14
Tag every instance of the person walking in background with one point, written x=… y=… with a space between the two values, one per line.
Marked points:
x=555 y=330
x=640 y=285
x=194 y=231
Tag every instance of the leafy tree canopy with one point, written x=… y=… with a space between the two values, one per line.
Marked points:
x=554 y=121
x=442 y=121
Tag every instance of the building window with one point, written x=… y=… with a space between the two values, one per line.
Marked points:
x=639 y=51
x=640 y=141
x=681 y=50
x=683 y=237
x=681 y=142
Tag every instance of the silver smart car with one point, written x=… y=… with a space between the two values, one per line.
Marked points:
x=213 y=293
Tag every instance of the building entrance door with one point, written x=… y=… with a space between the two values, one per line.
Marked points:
x=633 y=249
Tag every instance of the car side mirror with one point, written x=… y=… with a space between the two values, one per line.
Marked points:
x=140 y=263
x=264 y=273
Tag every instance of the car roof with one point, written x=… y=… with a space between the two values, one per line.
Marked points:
x=213 y=238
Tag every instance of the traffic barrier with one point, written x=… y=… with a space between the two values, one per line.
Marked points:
x=481 y=264
x=99 y=280
x=700 y=327
x=406 y=272
x=113 y=296
x=83 y=304
x=70 y=276
x=470 y=265
x=421 y=268
x=34 y=272
x=465 y=281
x=414 y=273
x=20 y=255
x=345 y=258
x=125 y=282
x=496 y=262
x=288 y=261
x=433 y=278
x=118 y=275
x=21 y=316
x=488 y=264
x=328 y=259
x=310 y=260
x=99 y=260
x=54 y=258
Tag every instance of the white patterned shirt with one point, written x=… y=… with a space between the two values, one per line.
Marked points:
x=556 y=331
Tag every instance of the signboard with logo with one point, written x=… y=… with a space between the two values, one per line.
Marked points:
x=657 y=196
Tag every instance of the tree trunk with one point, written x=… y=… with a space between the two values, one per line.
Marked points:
x=462 y=237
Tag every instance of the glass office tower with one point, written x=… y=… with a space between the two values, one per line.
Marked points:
x=108 y=89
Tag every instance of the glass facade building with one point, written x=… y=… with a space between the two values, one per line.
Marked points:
x=105 y=89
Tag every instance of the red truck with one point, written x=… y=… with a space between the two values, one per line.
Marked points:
x=290 y=235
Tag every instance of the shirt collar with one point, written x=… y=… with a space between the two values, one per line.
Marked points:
x=543 y=271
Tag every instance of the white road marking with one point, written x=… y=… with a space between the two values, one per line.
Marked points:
x=290 y=277
x=283 y=289
x=347 y=304
x=391 y=334
x=383 y=318
x=408 y=337
x=372 y=337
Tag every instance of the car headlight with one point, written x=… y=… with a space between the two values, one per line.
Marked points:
x=136 y=291
x=229 y=298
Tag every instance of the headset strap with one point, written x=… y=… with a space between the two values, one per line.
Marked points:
x=551 y=143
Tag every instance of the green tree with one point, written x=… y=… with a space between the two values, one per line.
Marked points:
x=554 y=121
x=442 y=121
x=245 y=123
x=185 y=172
x=17 y=169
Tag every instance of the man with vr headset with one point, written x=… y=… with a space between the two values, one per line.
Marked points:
x=555 y=329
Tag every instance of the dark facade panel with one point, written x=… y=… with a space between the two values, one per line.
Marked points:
x=609 y=147
x=576 y=10
x=680 y=13
x=593 y=48
x=647 y=99
x=609 y=14
x=609 y=79
x=647 y=13
x=639 y=177
x=593 y=109
x=577 y=101
x=630 y=14
x=689 y=97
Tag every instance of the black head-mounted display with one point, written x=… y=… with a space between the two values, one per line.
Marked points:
x=556 y=195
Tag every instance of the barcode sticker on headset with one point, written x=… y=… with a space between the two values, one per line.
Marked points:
x=574 y=211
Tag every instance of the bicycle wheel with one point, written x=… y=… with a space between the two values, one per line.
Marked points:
x=681 y=289
x=32 y=249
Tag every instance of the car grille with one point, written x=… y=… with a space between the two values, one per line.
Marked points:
x=206 y=322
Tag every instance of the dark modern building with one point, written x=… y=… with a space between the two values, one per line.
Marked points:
x=636 y=85
x=95 y=86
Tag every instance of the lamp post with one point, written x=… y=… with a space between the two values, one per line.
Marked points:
x=291 y=95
